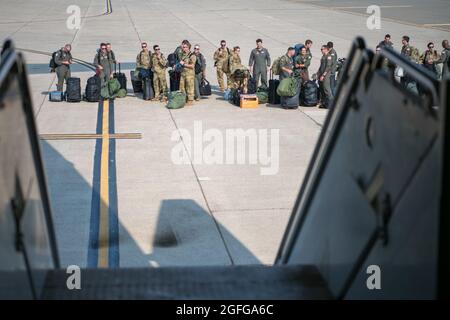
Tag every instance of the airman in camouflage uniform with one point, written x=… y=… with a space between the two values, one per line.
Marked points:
x=103 y=63
x=187 y=80
x=144 y=61
x=63 y=59
x=159 y=64
x=429 y=58
x=286 y=64
x=239 y=74
x=221 y=63
x=411 y=54
x=409 y=51
x=302 y=63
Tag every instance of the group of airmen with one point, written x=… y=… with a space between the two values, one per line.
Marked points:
x=189 y=67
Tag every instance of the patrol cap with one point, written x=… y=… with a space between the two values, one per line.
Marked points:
x=291 y=48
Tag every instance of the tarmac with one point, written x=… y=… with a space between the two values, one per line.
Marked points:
x=126 y=202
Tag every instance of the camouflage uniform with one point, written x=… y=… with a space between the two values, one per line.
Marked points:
x=239 y=73
x=187 y=79
x=285 y=62
x=159 y=75
x=104 y=61
x=144 y=63
x=306 y=61
x=62 y=70
x=430 y=56
x=221 y=63
x=411 y=54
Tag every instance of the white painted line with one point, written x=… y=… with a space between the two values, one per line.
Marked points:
x=386 y=7
x=436 y=24
x=204 y=179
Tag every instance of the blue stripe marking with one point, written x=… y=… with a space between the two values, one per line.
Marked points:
x=95 y=202
x=113 y=212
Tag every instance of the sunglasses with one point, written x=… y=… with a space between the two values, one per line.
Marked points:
x=103 y=48
x=157 y=49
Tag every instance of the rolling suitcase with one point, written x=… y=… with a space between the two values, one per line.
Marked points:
x=136 y=82
x=291 y=102
x=309 y=95
x=147 y=89
x=121 y=77
x=93 y=88
x=73 y=90
x=174 y=80
x=274 y=98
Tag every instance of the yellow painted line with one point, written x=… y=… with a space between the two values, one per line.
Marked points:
x=103 y=243
x=81 y=136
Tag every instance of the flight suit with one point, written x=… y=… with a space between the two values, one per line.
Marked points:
x=159 y=75
x=327 y=91
x=302 y=71
x=221 y=64
x=103 y=60
x=444 y=59
x=285 y=62
x=334 y=56
x=239 y=73
x=260 y=60
x=62 y=70
x=323 y=64
x=187 y=79
x=112 y=57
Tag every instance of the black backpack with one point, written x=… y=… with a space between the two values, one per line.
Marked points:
x=52 y=64
x=172 y=60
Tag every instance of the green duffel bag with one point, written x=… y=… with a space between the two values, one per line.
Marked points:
x=122 y=93
x=177 y=100
x=104 y=92
x=288 y=87
x=263 y=95
x=113 y=86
